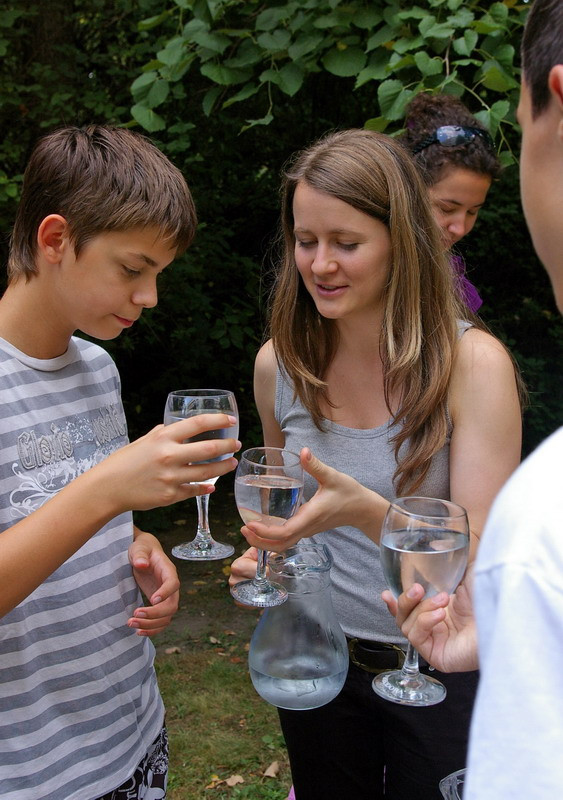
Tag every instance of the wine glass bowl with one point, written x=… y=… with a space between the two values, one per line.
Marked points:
x=268 y=489
x=183 y=404
x=424 y=540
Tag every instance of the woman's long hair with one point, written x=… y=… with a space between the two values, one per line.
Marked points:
x=375 y=175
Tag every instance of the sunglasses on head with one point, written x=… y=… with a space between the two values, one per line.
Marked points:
x=452 y=135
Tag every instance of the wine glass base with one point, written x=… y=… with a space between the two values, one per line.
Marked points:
x=202 y=551
x=421 y=690
x=259 y=594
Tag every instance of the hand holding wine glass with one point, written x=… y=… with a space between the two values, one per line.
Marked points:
x=183 y=404
x=424 y=541
x=268 y=488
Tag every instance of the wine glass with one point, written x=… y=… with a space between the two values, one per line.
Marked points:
x=268 y=488
x=183 y=404
x=425 y=541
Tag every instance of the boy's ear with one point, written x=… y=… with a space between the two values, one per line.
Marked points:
x=555 y=84
x=52 y=238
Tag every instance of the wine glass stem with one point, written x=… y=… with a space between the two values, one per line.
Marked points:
x=261 y=565
x=203 y=535
x=410 y=667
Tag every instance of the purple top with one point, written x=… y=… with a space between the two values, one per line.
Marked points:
x=465 y=288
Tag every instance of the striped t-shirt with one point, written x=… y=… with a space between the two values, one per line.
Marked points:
x=79 y=702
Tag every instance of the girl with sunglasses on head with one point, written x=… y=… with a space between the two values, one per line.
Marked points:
x=373 y=365
x=457 y=160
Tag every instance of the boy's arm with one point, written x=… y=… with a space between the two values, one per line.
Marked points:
x=157 y=578
x=155 y=470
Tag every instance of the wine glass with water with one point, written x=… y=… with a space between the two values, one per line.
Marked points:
x=268 y=488
x=426 y=541
x=183 y=404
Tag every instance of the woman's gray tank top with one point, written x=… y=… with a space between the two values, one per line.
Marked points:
x=366 y=455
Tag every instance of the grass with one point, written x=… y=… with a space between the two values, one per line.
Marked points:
x=217 y=725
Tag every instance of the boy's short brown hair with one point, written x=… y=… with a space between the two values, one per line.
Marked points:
x=99 y=178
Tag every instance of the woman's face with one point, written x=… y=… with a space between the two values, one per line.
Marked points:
x=342 y=254
x=456 y=200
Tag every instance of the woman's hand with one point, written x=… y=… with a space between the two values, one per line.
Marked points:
x=339 y=500
x=244 y=567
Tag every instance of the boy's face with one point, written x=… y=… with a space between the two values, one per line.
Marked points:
x=106 y=288
x=541 y=184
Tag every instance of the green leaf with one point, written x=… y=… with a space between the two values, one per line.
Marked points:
x=194 y=26
x=217 y=42
x=335 y=20
x=376 y=124
x=504 y=54
x=376 y=70
x=210 y=99
x=494 y=77
x=413 y=13
x=427 y=65
x=246 y=92
x=431 y=29
x=142 y=84
x=157 y=93
x=147 y=118
x=499 y=12
x=462 y=19
x=247 y=55
x=250 y=123
x=268 y=20
x=397 y=63
x=404 y=44
x=173 y=52
x=387 y=94
x=270 y=75
x=274 y=42
x=466 y=44
x=304 y=44
x=345 y=63
x=382 y=36
x=506 y=159
x=366 y=18
x=291 y=79
x=224 y=76
x=484 y=117
x=152 y=22
x=491 y=118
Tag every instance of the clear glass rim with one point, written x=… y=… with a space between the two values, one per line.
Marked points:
x=451 y=510
x=295 y=462
x=199 y=392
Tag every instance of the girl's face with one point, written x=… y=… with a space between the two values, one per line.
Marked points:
x=342 y=254
x=456 y=200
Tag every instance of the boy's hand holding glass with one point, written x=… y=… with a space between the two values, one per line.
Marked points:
x=185 y=404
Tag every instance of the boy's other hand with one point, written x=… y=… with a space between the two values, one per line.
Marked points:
x=157 y=578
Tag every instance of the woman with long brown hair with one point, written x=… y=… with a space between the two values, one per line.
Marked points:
x=373 y=365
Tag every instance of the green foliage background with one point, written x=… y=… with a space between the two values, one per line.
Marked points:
x=229 y=89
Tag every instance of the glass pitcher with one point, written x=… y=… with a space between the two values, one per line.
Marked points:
x=452 y=785
x=298 y=656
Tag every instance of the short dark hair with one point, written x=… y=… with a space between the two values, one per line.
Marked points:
x=542 y=49
x=99 y=178
x=425 y=113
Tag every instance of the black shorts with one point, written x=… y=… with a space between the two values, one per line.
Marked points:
x=148 y=782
